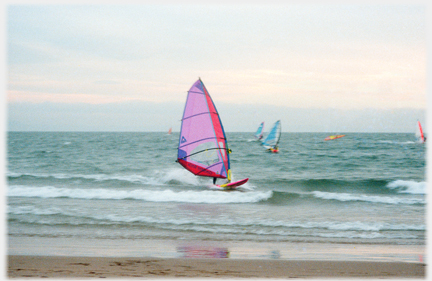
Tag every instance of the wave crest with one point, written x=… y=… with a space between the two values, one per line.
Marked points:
x=367 y=198
x=167 y=195
x=158 y=178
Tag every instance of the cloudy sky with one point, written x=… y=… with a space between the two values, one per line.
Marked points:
x=317 y=68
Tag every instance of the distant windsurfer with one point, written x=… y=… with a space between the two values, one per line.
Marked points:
x=273 y=149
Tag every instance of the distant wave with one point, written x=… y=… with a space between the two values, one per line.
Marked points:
x=379 y=186
x=398 y=142
x=167 y=195
x=158 y=177
x=328 y=183
x=367 y=198
x=280 y=198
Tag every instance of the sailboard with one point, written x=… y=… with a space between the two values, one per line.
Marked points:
x=233 y=185
x=334 y=137
x=203 y=148
x=272 y=140
x=419 y=133
x=259 y=133
x=170 y=131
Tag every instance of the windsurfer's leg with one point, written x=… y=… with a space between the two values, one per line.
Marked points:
x=214 y=180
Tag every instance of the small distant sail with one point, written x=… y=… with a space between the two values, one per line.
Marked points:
x=334 y=137
x=273 y=137
x=259 y=132
x=203 y=148
x=169 y=131
x=419 y=133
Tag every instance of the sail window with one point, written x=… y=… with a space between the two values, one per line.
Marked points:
x=206 y=153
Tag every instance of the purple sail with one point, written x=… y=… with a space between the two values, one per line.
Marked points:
x=202 y=146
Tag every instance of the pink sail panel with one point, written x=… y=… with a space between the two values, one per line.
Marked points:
x=202 y=145
x=420 y=132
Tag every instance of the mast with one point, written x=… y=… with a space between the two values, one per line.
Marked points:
x=226 y=150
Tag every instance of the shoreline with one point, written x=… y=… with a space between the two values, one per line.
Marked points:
x=169 y=248
x=21 y=266
x=156 y=258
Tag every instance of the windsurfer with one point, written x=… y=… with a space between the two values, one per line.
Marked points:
x=214 y=181
x=273 y=149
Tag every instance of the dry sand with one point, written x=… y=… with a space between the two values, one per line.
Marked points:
x=109 y=267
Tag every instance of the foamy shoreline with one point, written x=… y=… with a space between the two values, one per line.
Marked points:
x=116 y=267
x=169 y=248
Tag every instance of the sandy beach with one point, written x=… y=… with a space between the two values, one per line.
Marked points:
x=110 y=267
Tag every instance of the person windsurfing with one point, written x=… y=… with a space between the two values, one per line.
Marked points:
x=214 y=181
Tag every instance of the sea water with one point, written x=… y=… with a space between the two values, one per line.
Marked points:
x=363 y=189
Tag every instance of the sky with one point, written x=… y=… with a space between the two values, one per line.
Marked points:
x=316 y=67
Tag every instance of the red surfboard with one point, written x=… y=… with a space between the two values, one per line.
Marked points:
x=233 y=185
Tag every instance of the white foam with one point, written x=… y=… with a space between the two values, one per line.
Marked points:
x=166 y=195
x=410 y=187
x=367 y=198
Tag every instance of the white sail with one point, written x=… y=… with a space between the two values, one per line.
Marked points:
x=259 y=132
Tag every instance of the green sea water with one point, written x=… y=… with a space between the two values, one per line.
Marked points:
x=361 y=189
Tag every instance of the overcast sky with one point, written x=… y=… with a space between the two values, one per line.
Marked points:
x=317 y=68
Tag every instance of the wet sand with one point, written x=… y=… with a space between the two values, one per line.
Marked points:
x=20 y=266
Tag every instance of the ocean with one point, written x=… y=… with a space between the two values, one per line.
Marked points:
x=109 y=188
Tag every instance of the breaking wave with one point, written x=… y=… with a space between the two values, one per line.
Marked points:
x=410 y=187
x=167 y=195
